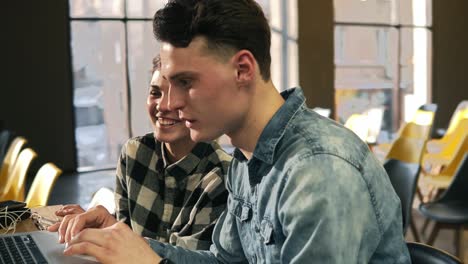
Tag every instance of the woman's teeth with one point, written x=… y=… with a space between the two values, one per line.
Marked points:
x=166 y=122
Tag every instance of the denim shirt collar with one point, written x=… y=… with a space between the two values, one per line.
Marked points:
x=275 y=128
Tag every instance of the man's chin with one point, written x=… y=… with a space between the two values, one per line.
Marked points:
x=199 y=136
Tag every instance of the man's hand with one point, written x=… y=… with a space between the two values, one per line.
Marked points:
x=72 y=224
x=114 y=244
x=70 y=209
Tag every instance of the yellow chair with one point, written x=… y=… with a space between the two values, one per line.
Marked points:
x=14 y=188
x=9 y=161
x=42 y=185
x=457 y=124
x=462 y=106
x=448 y=160
x=419 y=128
x=417 y=131
x=409 y=150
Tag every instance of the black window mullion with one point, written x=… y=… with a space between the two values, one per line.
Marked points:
x=127 y=74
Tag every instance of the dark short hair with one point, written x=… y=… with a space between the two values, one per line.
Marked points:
x=227 y=25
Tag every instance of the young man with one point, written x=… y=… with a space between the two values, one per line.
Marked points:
x=173 y=191
x=302 y=189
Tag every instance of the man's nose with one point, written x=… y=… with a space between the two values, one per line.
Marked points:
x=175 y=99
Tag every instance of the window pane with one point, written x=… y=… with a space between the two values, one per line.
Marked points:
x=292 y=18
x=366 y=66
x=276 y=18
x=406 y=60
x=293 y=65
x=265 y=4
x=99 y=92
x=366 y=101
x=415 y=68
x=96 y=8
x=142 y=47
x=276 y=60
x=365 y=57
x=384 y=12
x=143 y=8
x=416 y=12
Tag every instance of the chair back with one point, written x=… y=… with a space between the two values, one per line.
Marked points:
x=456 y=158
x=409 y=150
x=42 y=185
x=14 y=188
x=417 y=131
x=461 y=112
x=429 y=107
x=9 y=161
x=451 y=139
x=458 y=188
x=457 y=117
x=404 y=178
x=425 y=254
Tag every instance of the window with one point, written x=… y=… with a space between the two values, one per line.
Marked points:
x=282 y=16
x=377 y=64
x=112 y=47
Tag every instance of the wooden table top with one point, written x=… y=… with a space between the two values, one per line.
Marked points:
x=29 y=225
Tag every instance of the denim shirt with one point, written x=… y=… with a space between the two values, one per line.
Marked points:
x=311 y=193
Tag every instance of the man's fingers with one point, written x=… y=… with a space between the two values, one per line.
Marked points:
x=62 y=230
x=90 y=249
x=76 y=227
x=90 y=241
x=54 y=227
x=69 y=209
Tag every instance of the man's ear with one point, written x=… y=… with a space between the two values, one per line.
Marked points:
x=246 y=66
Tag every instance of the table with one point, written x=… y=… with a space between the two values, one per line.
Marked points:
x=28 y=225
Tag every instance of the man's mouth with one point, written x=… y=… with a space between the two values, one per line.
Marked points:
x=188 y=122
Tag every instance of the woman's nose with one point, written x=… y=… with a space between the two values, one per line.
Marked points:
x=162 y=104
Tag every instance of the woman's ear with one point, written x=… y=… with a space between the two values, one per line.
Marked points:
x=246 y=66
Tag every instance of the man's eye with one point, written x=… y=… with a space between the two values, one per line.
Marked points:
x=185 y=83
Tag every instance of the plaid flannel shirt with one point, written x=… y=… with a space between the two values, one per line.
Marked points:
x=177 y=203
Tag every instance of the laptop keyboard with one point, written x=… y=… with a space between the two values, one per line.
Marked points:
x=20 y=249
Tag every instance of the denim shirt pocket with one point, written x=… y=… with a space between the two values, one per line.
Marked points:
x=266 y=231
x=240 y=209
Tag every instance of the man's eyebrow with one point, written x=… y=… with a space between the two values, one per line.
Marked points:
x=185 y=74
x=155 y=86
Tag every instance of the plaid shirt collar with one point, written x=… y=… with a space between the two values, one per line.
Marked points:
x=184 y=167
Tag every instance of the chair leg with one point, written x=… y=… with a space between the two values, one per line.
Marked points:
x=425 y=225
x=433 y=235
x=459 y=242
x=414 y=231
x=419 y=194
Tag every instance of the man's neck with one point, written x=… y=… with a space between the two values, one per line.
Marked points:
x=265 y=103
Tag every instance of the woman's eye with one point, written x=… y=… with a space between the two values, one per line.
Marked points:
x=155 y=93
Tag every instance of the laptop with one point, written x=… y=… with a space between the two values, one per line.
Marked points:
x=36 y=247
